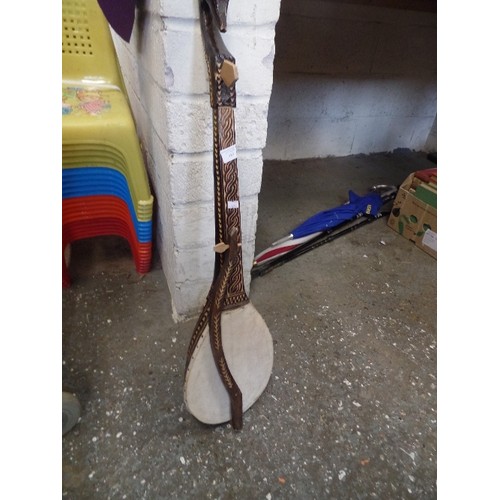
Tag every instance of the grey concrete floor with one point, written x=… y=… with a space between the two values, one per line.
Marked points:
x=350 y=410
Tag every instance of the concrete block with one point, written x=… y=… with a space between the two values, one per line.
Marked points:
x=250 y=172
x=317 y=45
x=188 y=266
x=255 y=13
x=194 y=264
x=311 y=138
x=192 y=180
x=355 y=11
x=184 y=58
x=431 y=142
x=420 y=134
x=248 y=207
x=252 y=48
x=404 y=96
x=146 y=47
x=406 y=50
x=380 y=134
x=187 y=301
x=254 y=51
x=189 y=124
x=156 y=110
x=251 y=122
x=165 y=246
x=318 y=116
x=191 y=276
x=194 y=225
x=188 y=297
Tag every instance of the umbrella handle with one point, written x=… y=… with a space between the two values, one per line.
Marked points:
x=282 y=240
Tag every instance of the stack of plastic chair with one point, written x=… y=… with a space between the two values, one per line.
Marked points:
x=105 y=187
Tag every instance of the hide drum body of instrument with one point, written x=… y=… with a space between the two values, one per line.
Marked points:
x=248 y=348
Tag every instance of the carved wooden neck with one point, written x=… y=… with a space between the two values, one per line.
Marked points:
x=227 y=200
x=223 y=73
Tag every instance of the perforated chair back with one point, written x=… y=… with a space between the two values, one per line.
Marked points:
x=88 y=52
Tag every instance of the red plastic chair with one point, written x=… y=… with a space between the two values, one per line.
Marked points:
x=92 y=216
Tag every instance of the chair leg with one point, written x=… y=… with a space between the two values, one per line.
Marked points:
x=66 y=280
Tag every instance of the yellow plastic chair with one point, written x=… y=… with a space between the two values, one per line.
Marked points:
x=88 y=52
x=97 y=155
x=98 y=127
x=98 y=130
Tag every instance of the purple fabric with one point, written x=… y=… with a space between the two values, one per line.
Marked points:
x=120 y=15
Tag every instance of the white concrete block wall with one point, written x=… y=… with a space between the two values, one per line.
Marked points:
x=165 y=73
x=431 y=144
x=351 y=79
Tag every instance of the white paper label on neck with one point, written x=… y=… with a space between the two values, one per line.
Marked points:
x=228 y=154
x=233 y=204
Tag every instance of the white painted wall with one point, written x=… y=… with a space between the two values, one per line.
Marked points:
x=351 y=79
x=165 y=75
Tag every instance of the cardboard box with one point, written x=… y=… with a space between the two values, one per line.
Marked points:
x=414 y=211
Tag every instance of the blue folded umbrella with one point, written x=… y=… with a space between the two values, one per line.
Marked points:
x=369 y=204
x=91 y=181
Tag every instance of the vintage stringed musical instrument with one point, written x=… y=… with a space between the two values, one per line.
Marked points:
x=230 y=355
